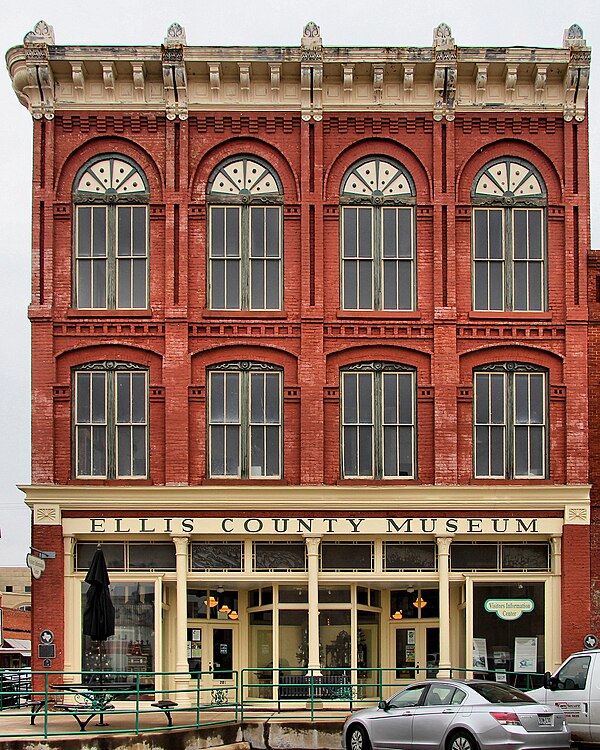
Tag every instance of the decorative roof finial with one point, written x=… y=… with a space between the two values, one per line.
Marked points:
x=573 y=37
x=312 y=44
x=442 y=37
x=42 y=33
x=175 y=36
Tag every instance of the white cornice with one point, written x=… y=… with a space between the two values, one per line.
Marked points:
x=250 y=499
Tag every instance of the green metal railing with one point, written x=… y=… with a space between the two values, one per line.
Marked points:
x=48 y=704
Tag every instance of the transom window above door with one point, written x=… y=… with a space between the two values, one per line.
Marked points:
x=110 y=235
x=245 y=236
x=377 y=236
x=509 y=238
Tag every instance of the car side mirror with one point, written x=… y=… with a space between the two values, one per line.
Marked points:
x=550 y=682
x=382 y=705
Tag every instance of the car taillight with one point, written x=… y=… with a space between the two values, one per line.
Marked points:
x=504 y=717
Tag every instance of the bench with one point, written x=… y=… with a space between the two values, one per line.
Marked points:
x=36 y=706
x=166 y=707
x=77 y=710
x=300 y=687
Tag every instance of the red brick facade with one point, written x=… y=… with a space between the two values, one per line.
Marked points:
x=177 y=338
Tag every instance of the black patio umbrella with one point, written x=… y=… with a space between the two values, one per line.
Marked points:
x=99 y=614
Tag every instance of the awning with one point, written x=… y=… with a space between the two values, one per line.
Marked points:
x=20 y=645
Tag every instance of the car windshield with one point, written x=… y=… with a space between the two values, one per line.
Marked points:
x=495 y=693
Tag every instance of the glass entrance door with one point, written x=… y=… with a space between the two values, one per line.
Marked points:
x=212 y=658
x=416 y=649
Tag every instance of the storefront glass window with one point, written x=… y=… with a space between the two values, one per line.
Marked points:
x=336 y=556
x=114 y=554
x=217 y=556
x=152 y=556
x=279 y=556
x=293 y=594
x=473 y=556
x=508 y=630
x=131 y=649
x=410 y=556
x=334 y=635
x=293 y=639
x=261 y=653
x=415 y=604
x=334 y=595
x=525 y=557
x=367 y=647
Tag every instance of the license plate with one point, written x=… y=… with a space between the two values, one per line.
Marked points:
x=545 y=720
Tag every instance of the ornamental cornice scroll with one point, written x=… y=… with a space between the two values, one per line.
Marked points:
x=47 y=515
x=445 y=73
x=577 y=74
x=110 y=365
x=174 y=73
x=246 y=366
x=510 y=367
x=35 y=86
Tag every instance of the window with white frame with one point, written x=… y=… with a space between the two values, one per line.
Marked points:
x=111 y=235
x=245 y=243
x=245 y=418
x=510 y=421
x=378 y=422
x=110 y=420
x=509 y=238
x=378 y=237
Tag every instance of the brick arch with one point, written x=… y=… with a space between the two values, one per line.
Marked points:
x=74 y=357
x=202 y=359
x=244 y=146
x=421 y=361
x=506 y=147
x=377 y=147
x=474 y=358
x=67 y=171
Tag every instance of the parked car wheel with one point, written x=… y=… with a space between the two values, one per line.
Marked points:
x=462 y=741
x=358 y=739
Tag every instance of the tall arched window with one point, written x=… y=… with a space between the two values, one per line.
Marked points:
x=245 y=419
x=111 y=235
x=378 y=421
x=110 y=420
x=245 y=238
x=378 y=236
x=509 y=237
x=510 y=422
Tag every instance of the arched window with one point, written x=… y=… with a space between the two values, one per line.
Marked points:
x=245 y=245
x=111 y=235
x=378 y=236
x=509 y=237
x=510 y=421
x=378 y=421
x=110 y=420
x=245 y=420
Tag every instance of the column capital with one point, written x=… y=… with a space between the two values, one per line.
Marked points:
x=181 y=543
x=312 y=544
x=443 y=543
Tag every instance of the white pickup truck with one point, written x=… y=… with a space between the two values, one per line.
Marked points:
x=575 y=688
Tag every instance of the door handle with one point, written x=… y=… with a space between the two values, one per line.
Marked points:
x=449 y=711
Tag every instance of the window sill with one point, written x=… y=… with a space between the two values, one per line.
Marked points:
x=516 y=482
x=246 y=314
x=380 y=314
x=245 y=482
x=378 y=482
x=111 y=482
x=102 y=313
x=509 y=315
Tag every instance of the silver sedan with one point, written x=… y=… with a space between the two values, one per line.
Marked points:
x=457 y=715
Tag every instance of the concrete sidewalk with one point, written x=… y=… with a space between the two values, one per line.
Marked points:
x=275 y=731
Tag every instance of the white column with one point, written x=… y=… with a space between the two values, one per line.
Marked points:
x=443 y=550
x=71 y=601
x=182 y=679
x=553 y=623
x=312 y=552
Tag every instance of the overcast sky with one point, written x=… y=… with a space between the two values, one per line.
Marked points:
x=536 y=23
